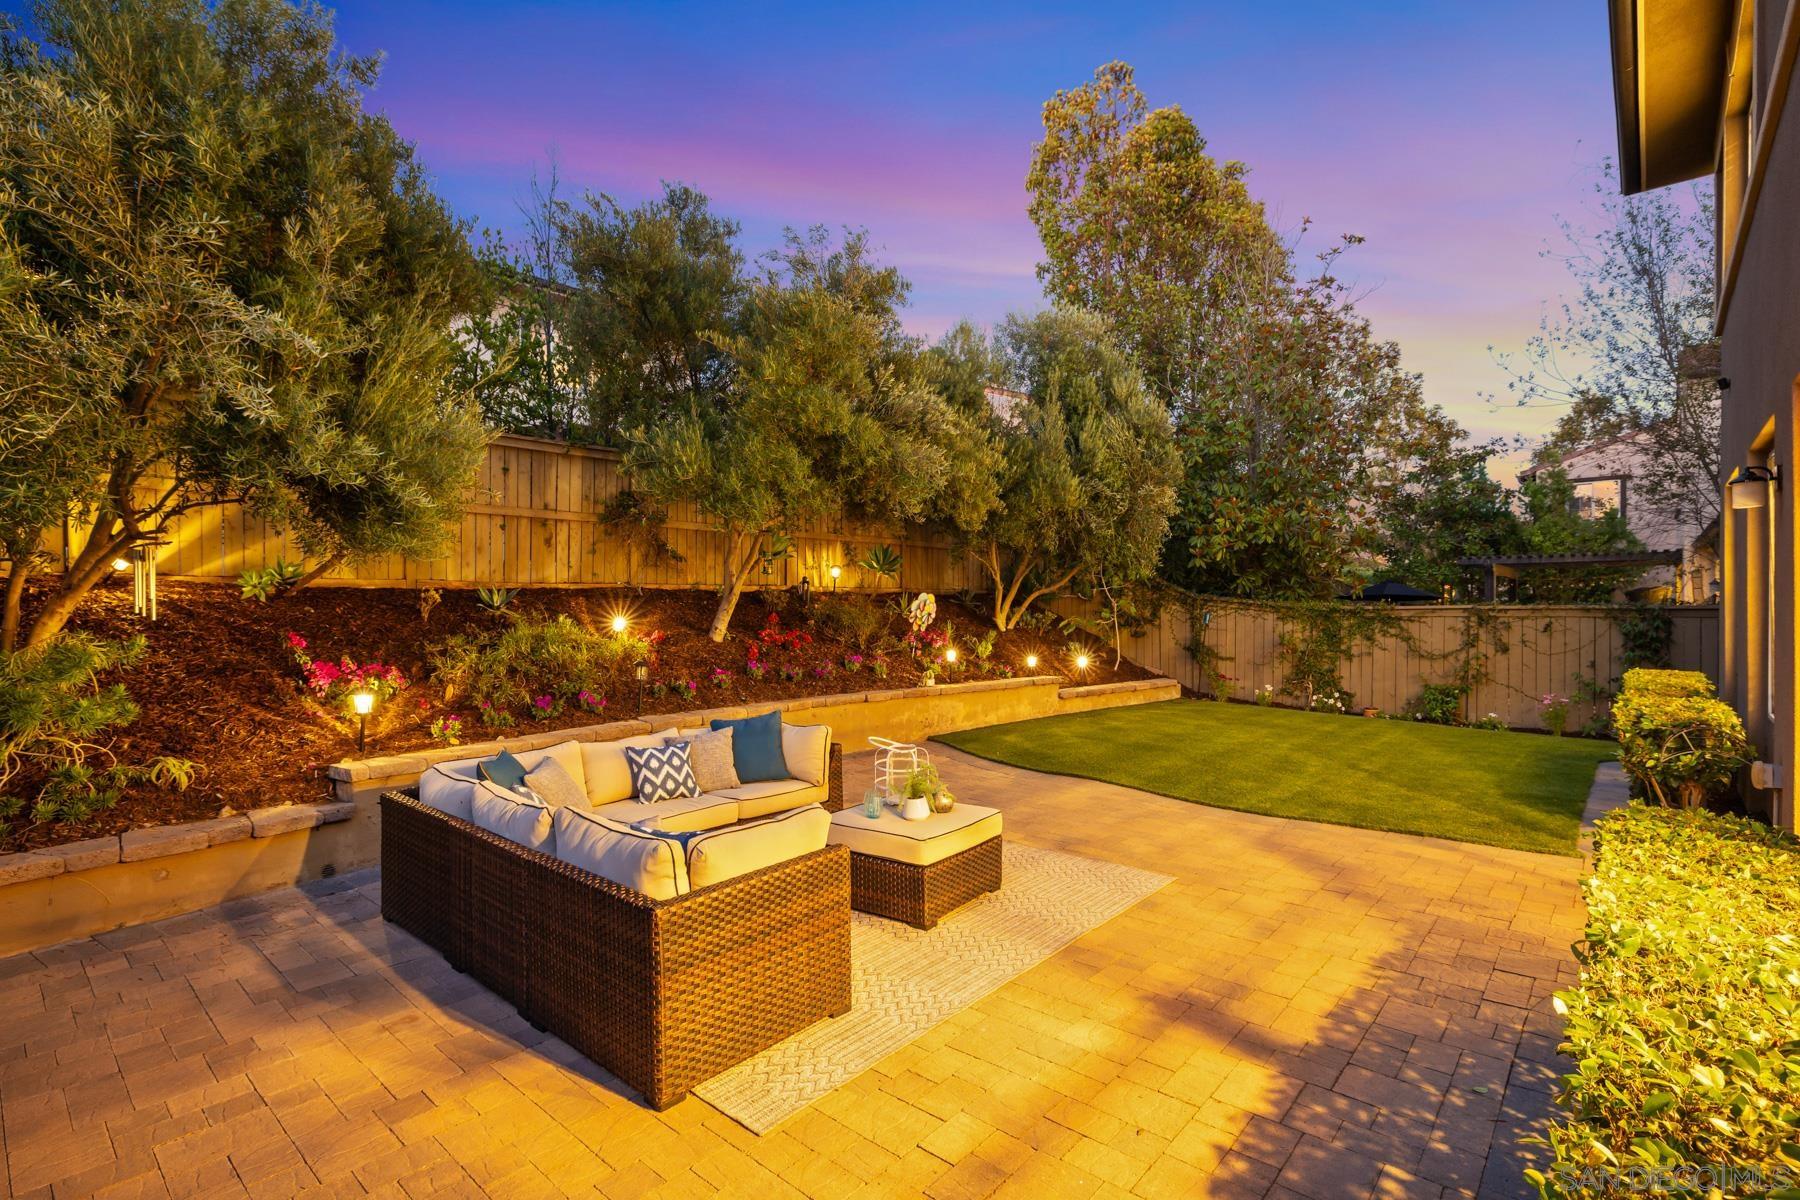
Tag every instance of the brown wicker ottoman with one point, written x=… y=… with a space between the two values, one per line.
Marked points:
x=917 y=871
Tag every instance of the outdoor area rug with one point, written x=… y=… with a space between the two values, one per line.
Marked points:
x=905 y=980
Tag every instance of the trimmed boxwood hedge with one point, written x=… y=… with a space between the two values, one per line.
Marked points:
x=1685 y=1026
x=1677 y=741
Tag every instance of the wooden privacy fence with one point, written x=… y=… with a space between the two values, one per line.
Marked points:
x=533 y=521
x=1530 y=650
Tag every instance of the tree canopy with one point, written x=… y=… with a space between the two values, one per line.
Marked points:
x=243 y=273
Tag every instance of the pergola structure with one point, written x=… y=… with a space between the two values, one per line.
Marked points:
x=1508 y=566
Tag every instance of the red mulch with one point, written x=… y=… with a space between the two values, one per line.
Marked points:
x=219 y=686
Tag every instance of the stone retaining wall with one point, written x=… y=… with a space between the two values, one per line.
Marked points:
x=75 y=890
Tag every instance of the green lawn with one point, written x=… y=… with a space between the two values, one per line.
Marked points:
x=1520 y=790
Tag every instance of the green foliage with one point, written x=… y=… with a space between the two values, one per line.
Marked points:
x=495 y=599
x=1682 y=1027
x=1447 y=508
x=862 y=623
x=1647 y=633
x=923 y=781
x=1141 y=225
x=239 y=276
x=830 y=412
x=506 y=670
x=1677 y=742
x=1315 y=639
x=1438 y=704
x=55 y=722
x=1086 y=464
x=1552 y=526
x=640 y=521
x=264 y=582
x=883 y=562
x=653 y=288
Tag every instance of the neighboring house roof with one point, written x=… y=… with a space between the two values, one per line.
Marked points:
x=1637 y=436
x=1003 y=400
x=1670 y=61
x=1399 y=593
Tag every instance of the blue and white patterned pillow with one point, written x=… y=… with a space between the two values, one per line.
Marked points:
x=661 y=772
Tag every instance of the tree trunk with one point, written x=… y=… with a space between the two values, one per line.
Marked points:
x=741 y=560
x=15 y=599
x=325 y=565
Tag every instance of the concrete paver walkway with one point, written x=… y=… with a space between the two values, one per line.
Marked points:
x=1307 y=1011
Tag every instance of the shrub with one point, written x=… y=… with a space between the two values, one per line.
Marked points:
x=1681 y=749
x=852 y=619
x=55 y=718
x=332 y=683
x=264 y=583
x=1438 y=704
x=1682 y=1027
x=532 y=659
x=1645 y=681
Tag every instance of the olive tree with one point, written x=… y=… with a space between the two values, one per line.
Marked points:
x=242 y=278
x=1087 y=465
x=827 y=413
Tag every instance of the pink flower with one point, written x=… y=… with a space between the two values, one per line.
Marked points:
x=296 y=642
x=544 y=703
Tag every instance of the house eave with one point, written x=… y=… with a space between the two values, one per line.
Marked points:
x=1669 y=60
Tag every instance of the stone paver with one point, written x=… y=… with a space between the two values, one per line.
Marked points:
x=1307 y=1011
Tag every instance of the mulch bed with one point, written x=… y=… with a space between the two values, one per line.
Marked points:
x=219 y=685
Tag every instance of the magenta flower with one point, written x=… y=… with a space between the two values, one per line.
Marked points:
x=544 y=703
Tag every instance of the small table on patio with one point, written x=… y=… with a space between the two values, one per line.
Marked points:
x=917 y=871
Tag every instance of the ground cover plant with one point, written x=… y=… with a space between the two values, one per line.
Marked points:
x=1682 y=1026
x=1519 y=790
x=257 y=694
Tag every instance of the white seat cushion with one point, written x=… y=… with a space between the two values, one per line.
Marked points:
x=607 y=775
x=773 y=796
x=807 y=751
x=727 y=853
x=513 y=817
x=685 y=814
x=920 y=843
x=613 y=850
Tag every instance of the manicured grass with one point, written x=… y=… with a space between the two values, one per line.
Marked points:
x=1519 y=790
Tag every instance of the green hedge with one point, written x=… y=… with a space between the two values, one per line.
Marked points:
x=1677 y=742
x=1685 y=1027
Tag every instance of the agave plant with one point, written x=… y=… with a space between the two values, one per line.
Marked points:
x=883 y=562
x=495 y=599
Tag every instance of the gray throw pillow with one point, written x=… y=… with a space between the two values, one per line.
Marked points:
x=711 y=754
x=554 y=786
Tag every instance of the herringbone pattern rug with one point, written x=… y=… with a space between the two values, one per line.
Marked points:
x=905 y=980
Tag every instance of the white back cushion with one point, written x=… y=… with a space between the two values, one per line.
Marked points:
x=450 y=786
x=608 y=778
x=614 y=850
x=566 y=755
x=513 y=817
x=807 y=750
x=723 y=854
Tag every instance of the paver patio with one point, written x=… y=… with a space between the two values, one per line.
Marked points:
x=1307 y=1011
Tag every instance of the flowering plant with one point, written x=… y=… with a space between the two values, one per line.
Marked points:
x=721 y=677
x=853 y=662
x=590 y=701
x=1554 y=709
x=447 y=730
x=687 y=688
x=1330 y=700
x=332 y=683
x=1265 y=695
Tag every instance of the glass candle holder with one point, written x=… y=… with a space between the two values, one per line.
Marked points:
x=872 y=801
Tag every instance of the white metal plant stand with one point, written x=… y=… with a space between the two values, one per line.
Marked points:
x=894 y=764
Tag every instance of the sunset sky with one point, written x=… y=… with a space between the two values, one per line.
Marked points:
x=1450 y=135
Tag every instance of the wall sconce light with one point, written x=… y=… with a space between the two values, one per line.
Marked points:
x=1748 y=487
x=363 y=703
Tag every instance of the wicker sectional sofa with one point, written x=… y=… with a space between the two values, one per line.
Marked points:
x=664 y=993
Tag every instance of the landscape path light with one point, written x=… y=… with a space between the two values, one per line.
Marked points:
x=835 y=572
x=1081 y=662
x=1031 y=662
x=620 y=622
x=364 y=703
